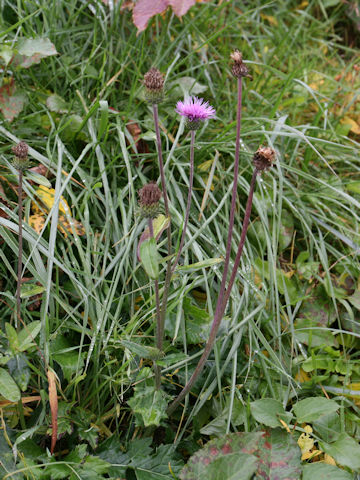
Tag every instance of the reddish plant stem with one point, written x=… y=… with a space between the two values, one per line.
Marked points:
x=19 y=274
x=158 y=330
x=234 y=191
x=221 y=304
x=167 y=213
x=187 y=212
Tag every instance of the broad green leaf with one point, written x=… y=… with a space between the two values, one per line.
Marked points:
x=8 y=387
x=57 y=104
x=312 y=408
x=353 y=187
x=189 y=86
x=268 y=411
x=19 y=370
x=272 y=454
x=148 y=404
x=28 y=335
x=66 y=355
x=308 y=332
x=346 y=451
x=12 y=337
x=149 y=257
x=322 y=471
x=32 y=50
x=6 y=53
x=193 y=267
x=328 y=427
x=30 y=290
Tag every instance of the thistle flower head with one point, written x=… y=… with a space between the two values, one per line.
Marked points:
x=195 y=110
x=20 y=151
x=154 y=85
x=263 y=158
x=239 y=69
x=149 y=197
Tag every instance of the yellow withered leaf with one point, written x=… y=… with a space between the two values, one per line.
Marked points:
x=329 y=460
x=66 y=223
x=37 y=222
x=355 y=127
x=47 y=197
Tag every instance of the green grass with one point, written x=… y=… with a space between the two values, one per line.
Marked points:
x=96 y=293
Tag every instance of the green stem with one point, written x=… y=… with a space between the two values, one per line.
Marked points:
x=19 y=274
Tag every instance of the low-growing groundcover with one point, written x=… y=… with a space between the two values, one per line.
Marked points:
x=80 y=363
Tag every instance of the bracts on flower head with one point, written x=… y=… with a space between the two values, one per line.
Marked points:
x=21 y=150
x=195 y=110
x=154 y=86
x=263 y=158
x=239 y=69
x=149 y=197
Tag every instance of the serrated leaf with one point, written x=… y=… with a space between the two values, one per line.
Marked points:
x=268 y=411
x=57 y=104
x=345 y=450
x=8 y=387
x=313 y=408
x=148 y=404
x=321 y=471
x=149 y=257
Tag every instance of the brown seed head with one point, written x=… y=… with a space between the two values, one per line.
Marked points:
x=264 y=158
x=239 y=69
x=21 y=150
x=154 y=80
x=149 y=195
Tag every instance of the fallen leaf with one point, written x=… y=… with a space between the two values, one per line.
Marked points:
x=53 y=400
x=145 y=9
x=11 y=102
x=355 y=127
x=180 y=7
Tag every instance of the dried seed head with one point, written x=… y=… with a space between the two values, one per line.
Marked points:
x=20 y=162
x=239 y=69
x=149 y=196
x=154 y=86
x=263 y=158
x=21 y=150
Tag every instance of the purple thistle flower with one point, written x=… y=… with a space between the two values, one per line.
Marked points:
x=195 y=109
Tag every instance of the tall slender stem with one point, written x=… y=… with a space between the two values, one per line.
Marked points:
x=187 y=212
x=18 y=286
x=221 y=304
x=158 y=318
x=167 y=213
x=234 y=191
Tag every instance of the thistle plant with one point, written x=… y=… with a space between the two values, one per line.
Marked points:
x=195 y=110
x=154 y=93
x=262 y=160
x=149 y=197
x=21 y=163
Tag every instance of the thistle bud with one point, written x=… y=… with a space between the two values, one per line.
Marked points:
x=149 y=197
x=263 y=158
x=154 y=86
x=239 y=69
x=20 y=162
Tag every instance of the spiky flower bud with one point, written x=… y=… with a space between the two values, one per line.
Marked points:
x=263 y=158
x=20 y=161
x=154 y=86
x=149 y=197
x=239 y=69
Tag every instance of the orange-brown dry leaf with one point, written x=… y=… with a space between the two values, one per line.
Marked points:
x=53 y=400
